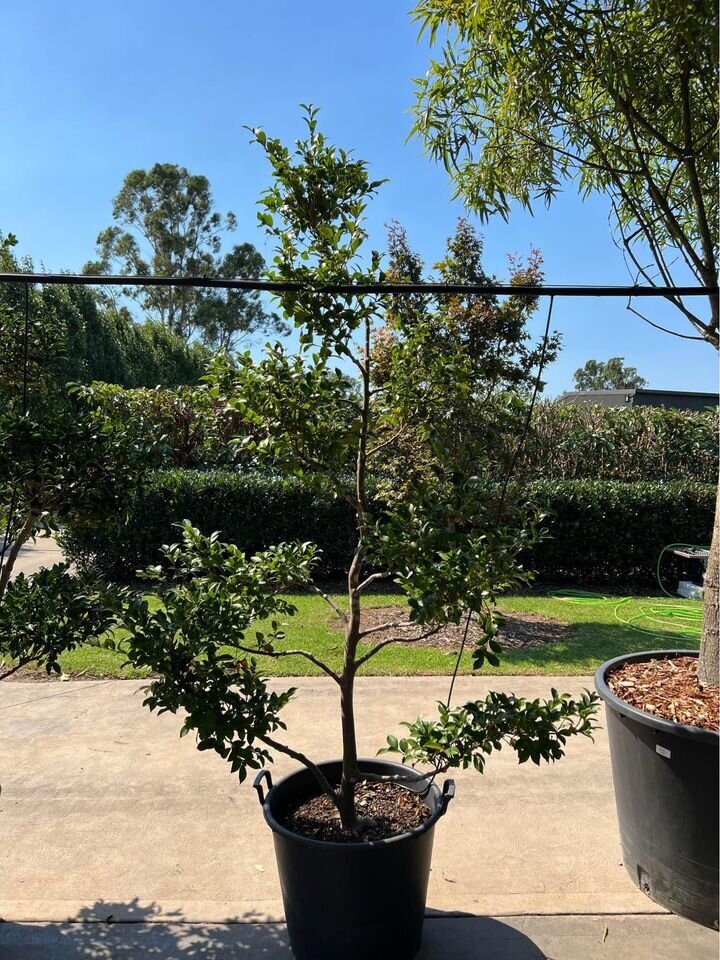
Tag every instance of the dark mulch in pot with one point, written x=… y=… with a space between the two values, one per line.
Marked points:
x=667 y=688
x=520 y=631
x=385 y=809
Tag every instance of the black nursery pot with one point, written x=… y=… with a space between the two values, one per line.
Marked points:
x=666 y=791
x=352 y=901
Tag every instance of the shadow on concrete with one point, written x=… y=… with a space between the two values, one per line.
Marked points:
x=134 y=931
x=467 y=937
x=131 y=930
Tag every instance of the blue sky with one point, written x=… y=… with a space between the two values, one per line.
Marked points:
x=93 y=90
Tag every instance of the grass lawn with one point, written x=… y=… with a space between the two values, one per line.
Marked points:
x=599 y=631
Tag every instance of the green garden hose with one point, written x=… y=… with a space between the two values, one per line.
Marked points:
x=685 y=622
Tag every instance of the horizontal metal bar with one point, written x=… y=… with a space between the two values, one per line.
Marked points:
x=400 y=289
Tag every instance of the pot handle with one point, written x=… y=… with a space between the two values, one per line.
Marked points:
x=448 y=792
x=257 y=785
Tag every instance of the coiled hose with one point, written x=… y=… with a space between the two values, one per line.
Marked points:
x=679 y=621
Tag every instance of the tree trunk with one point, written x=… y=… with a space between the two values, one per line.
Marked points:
x=708 y=661
x=22 y=537
x=350 y=773
x=346 y=793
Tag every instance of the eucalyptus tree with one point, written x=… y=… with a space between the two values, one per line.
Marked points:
x=166 y=225
x=610 y=374
x=303 y=417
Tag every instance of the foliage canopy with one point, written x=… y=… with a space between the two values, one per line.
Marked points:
x=166 y=225
x=618 y=97
x=609 y=374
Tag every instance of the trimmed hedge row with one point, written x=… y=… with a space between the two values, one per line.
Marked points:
x=252 y=510
x=612 y=531
x=607 y=531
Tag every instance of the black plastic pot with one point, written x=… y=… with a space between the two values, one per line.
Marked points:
x=666 y=791
x=352 y=901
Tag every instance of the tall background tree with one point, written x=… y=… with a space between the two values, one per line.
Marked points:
x=166 y=225
x=609 y=374
x=617 y=97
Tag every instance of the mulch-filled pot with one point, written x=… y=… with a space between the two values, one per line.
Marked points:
x=666 y=791
x=352 y=901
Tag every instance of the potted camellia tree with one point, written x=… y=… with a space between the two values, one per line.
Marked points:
x=353 y=837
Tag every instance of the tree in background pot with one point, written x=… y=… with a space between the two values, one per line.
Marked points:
x=356 y=888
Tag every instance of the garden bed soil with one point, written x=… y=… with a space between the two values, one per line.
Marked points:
x=386 y=809
x=667 y=688
x=35 y=675
x=521 y=631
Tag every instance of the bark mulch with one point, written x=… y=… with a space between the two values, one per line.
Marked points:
x=385 y=810
x=520 y=631
x=667 y=688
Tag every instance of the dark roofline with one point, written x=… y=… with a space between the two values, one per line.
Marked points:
x=675 y=393
x=632 y=391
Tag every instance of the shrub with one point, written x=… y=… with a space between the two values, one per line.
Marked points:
x=75 y=336
x=598 y=530
x=569 y=442
x=251 y=510
x=609 y=531
x=194 y=427
x=565 y=442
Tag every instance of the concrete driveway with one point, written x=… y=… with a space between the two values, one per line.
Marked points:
x=107 y=817
x=44 y=552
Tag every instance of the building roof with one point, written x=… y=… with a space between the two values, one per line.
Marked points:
x=643 y=396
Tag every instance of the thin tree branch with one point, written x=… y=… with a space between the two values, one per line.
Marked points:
x=627 y=107
x=276 y=654
x=384 y=443
x=674 y=333
x=708 y=331
x=390 y=625
x=22 y=537
x=329 y=600
x=693 y=179
x=306 y=761
x=656 y=194
x=386 y=643
x=18 y=666
x=604 y=167
x=371 y=579
x=412 y=776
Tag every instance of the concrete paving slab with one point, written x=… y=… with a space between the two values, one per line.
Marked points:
x=34 y=556
x=467 y=938
x=102 y=802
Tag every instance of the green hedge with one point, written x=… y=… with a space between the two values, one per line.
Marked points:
x=251 y=510
x=565 y=442
x=600 y=531
x=585 y=441
x=610 y=531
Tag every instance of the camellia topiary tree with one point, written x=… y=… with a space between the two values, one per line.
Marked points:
x=304 y=416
